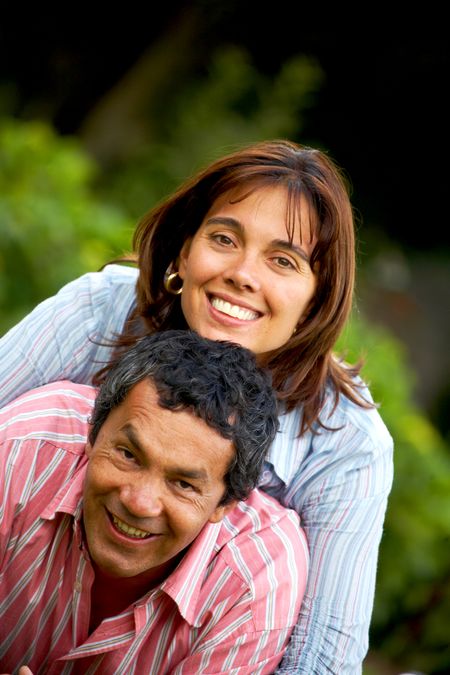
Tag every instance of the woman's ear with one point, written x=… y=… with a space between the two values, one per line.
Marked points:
x=183 y=257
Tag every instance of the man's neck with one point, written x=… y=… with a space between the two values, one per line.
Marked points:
x=112 y=595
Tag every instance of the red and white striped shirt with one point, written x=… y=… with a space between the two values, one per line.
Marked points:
x=229 y=606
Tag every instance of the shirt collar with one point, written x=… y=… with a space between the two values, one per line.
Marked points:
x=68 y=499
x=185 y=583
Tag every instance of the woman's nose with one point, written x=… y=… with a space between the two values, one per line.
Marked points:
x=244 y=274
x=142 y=499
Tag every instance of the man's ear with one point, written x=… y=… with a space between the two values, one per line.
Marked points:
x=221 y=511
x=88 y=449
x=183 y=257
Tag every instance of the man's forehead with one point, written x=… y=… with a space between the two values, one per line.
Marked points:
x=147 y=424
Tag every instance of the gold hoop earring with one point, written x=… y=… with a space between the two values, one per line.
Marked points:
x=169 y=285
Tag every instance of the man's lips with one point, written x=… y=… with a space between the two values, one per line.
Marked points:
x=236 y=311
x=129 y=530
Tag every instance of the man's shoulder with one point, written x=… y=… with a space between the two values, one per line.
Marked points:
x=58 y=412
x=260 y=511
x=263 y=545
x=261 y=524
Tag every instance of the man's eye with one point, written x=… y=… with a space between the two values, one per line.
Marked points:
x=184 y=485
x=222 y=239
x=126 y=454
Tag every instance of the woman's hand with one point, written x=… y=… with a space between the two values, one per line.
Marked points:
x=23 y=670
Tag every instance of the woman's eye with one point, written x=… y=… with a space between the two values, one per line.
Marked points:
x=281 y=261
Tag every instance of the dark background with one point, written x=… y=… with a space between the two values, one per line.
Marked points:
x=380 y=112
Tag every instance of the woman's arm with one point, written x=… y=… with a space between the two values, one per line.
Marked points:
x=341 y=492
x=60 y=338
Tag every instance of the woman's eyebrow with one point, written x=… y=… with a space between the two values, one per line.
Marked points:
x=224 y=220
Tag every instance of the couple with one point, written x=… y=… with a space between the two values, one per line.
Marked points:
x=257 y=249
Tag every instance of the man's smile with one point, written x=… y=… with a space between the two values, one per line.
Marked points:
x=129 y=530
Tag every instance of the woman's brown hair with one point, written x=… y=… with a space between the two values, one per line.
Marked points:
x=305 y=365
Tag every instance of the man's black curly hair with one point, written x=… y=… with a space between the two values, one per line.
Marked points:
x=218 y=381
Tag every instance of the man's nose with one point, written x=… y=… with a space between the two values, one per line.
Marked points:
x=142 y=498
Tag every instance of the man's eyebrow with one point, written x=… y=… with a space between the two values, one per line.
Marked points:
x=194 y=474
x=284 y=244
x=132 y=436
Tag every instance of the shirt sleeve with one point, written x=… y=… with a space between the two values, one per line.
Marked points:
x=65 y=336
x=342 y=506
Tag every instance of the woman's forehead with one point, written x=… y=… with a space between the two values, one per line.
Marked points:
x=298 y=212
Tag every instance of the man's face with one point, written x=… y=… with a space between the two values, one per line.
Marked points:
x=154 y=478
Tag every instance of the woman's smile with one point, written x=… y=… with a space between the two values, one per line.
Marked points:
x=225 y=305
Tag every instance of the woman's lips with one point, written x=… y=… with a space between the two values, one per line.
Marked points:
x=233 y=310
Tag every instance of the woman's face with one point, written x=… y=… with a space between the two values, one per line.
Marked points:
x=242 y=279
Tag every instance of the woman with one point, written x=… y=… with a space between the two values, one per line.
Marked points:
x=259 y=249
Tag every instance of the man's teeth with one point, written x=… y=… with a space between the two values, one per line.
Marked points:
x=233 y=310
x=130 y=531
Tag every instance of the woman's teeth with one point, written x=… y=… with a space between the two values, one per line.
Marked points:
x=130 y=531
x=233 y=310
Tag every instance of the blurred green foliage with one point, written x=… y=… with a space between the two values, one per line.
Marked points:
x=52 y=226
x=412 y=600
x=60 y=216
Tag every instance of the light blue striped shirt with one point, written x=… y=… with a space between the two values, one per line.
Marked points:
x=337 y=481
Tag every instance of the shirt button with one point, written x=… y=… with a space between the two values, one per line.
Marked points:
x=77 y=586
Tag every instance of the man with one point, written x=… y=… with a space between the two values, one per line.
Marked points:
x=145 y=549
